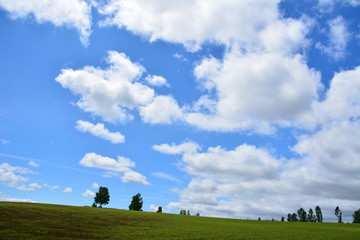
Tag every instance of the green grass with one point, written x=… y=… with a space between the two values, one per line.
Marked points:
x=43 y=221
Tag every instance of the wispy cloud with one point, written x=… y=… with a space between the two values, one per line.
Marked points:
x=166 y=177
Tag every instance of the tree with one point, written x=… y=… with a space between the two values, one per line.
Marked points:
x=289 y=217
x=319 y=216
x=338 y=214
x=188 y=212
x=302 y=215
x=197 y=214
x=159 y=210
x=294 y=218
x=282 y=219
x=259 y=219
x=136 y=203
x=182 y=212
x=102 y=197
x=311 y=217
x=356 y=216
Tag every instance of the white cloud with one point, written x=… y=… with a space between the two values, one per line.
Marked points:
x=328 y=5
x=163 y=110
x=51 y=187
x=33 y=164
x=205 y=22
x=71 y=13
x=6 y=198
x=157 y=81
x=244 y=163
x=253 y=91
x=108 y=93
x=95 y=186
x=100 y=131
x=180 y=57
x=12 y=176
x=106 y=163
x=186 y=147
x=134 y=177
x=339 y=38
x=29 y=187
x=250 y=182
x=88 y=193
x=68 y=190
x=122 y=165
x=335 y=148
x=341 y=102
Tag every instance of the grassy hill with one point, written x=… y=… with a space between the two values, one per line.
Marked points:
x=43 y=221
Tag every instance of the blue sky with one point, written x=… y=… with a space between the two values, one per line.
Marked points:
x=239 y=109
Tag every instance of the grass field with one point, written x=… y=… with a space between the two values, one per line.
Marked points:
x=43 y=221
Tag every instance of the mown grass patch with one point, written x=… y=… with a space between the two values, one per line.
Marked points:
x=43 y=221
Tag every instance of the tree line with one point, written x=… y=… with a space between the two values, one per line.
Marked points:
x=303 y=216
x=102 y=197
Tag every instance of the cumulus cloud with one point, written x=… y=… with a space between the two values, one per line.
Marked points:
x=88 y=193
x=156 y=81
x=100 y=131
x=162 y=110
x=15 y=177
x=341 y=101
x=121 y=165
x=94 y=160
x=108 y=93
x=339 y=38
x=95 y=186
x=253 y=91
x=246 y=22
x=134 y=177
x=75 y=14
x=68 y=190
x=251 y=181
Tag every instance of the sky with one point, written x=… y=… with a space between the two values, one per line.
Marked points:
x=236 y=109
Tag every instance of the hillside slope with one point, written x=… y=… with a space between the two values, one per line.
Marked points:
x=43 y=221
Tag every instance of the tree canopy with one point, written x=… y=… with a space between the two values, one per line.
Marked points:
x=338 y=214
x=356 y=216
x=136 y=203
x=102 y=197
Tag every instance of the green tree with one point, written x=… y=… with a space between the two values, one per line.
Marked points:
x=102 y=197
x=302 y=215
x=311 y=217
x=356 y=216
x=338 y=214
x=188 y=212
x=289 y=217
x=136 y=203
x=159 y=210
x=282 y=219
x=319 y=216
x=294 y=218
